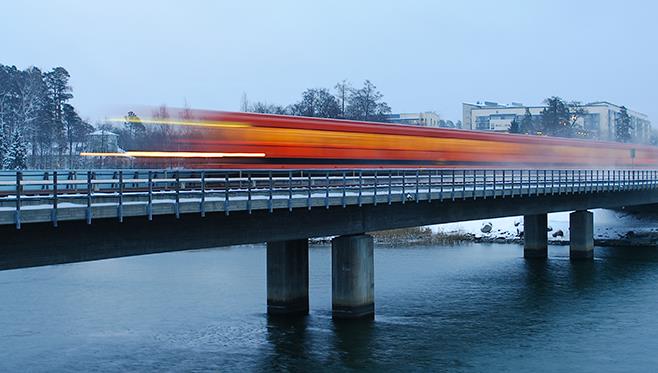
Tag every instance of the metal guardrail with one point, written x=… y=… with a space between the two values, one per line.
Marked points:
x=201 y=191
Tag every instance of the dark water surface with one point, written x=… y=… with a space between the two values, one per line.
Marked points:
x=478 y=307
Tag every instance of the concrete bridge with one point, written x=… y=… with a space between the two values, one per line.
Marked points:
x=52 y=217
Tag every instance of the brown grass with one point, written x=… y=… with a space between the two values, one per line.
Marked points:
x=419 y=235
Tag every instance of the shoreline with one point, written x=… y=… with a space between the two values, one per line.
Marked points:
x=611 y=228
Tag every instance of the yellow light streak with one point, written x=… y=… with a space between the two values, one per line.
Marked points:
x=224 y=124
x=146 y=154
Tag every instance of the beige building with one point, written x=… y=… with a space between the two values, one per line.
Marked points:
x=427 y=119
x=599 y=121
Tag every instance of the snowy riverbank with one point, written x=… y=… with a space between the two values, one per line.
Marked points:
x=611 y=227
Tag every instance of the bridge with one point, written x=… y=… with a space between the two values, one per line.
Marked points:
x=53 y=217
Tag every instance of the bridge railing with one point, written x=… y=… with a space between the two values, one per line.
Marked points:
x=184 y=191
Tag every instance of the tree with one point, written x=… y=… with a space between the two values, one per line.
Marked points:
x=526 y=125
x=33 y=107
x=623 y=126
x=135 y=125
x=4 y=146
x=366 y=104
x=76 y=131
x=16 y=156
x=514 y=127
x=317 y=102
x=265 y=108
x=244 y=103
x=57 y=81
x=343 y=90
x=559 y=118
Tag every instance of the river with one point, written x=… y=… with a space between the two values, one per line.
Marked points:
x=465 y=308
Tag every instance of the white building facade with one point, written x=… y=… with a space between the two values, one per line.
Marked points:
x=426 y=119
x=599 y=120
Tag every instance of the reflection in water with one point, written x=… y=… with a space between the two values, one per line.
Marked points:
x=352 y=342
x=288 y=338
x=475 y=307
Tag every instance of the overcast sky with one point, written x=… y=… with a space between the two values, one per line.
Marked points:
x=422 y=55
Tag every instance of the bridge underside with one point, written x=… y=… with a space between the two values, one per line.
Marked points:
x=75 y=241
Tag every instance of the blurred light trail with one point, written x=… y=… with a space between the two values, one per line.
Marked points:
x=148 y=154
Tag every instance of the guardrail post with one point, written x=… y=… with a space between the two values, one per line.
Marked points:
x=344 y=187
x=289 y=190
x=360 y=186
x=270 y=204
x=202 y=205
x=120 y=208
x=374 y=192
x=390 y=185
x=149 y=206
x=177 y=205
x=404 y=192
x=89 y=197
x=326 y=192
x=441 y=187
x=464 y=184
x=452 y=188
x=475 y=183
x=537 y=183
x=249 y=193
x=417 y=200
x=429 y=186
x=504 y=184
x=513 y=172
x=226 y=194
x=54 y=212
x=308 y=200
x=19 y=190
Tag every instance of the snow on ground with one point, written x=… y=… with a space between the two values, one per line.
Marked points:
x=608 y=225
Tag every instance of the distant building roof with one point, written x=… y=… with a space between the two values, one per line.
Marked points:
x=103 y=133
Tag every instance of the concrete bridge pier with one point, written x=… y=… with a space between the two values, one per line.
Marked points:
x=287 y=277
x=353 y=277
x=535 y=237
x=581 y=232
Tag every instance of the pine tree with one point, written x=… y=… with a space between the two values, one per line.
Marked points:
x=57 y=81
x=526 y=123
x=514 y=127
x=16 y=156
x=623 y=126
x=3 y=146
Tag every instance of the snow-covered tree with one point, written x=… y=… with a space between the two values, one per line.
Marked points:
x=59 y=90
x=16 y=156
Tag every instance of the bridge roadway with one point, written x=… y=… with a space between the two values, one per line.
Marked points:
x=52 y=217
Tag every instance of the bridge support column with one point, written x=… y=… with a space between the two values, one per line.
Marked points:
x=353 y=277
x=535 y=238
x=581 y=233
x=287 y=277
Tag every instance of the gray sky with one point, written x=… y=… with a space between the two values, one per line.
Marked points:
x=422 y=55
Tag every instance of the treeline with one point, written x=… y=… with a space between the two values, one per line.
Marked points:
x=39 y=128
x=561 y=118
x=345 y=102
